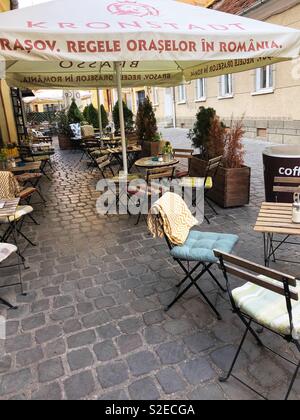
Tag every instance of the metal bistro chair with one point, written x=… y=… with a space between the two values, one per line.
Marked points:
x=198 y=249
x=155 y=174
x=270 y=299
x=6 y=250
x=103 y=163
x=27 y=155
x=183 y=154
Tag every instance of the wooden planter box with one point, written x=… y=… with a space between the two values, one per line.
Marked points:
x=151 y=148
x=231 y=186
x=65 y=143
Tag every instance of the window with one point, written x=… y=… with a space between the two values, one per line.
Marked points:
x=155 y=96
x=264 y=80
x=200 y=90
x=181 y=94
x=226 y=90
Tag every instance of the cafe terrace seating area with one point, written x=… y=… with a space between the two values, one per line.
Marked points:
x=91 y=323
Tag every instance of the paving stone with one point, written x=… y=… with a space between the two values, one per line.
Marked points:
x=179 y=326
x=81 y=339
x=171 y=353
x=79 y=386
x=112 y=374
x=105 y=351
x=119 y=395
x=154 y=317
x=51 y=291
x=223 y=358
x=50 y=370
x=128 y=343
x=155 y=334
x=142 y=362
x=12 y=328
x=199 y=342
x=55 y=348
x=118 y=312
x=108 y=331
x=96 y=319
x=5 y=363
x=17 y=343
x=71 y=326
x=50 y=392
x=48 y=333
x=267 y=373
x=104 y=302
x=61 y=301
x=143 y=389
x=29 y=357
x=93 y=292
x=33 y=322
x=15 y=382
x=84 y=308
x=80 y=359
x=197 y=371
x=63 y=313
x=130 y=325
x=170 y=381
x=40 y=306
x=208 y=393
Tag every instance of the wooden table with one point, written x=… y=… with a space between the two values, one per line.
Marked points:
x=149 y=163
x=276 y=219
x=28 y=167
x=132 y=154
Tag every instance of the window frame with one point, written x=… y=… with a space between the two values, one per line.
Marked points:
x=259 y=89
x=203 y=97
x=222 y=93
x=182 y=99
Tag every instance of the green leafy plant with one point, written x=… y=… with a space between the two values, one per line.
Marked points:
x=74 y=114
x=3 y=154
x=128 y=117
x=90 y=114
x=200 y=133
x=63 y=124
x=146 y=124
x=167 y=149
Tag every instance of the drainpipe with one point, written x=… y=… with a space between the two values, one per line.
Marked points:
x=174 y=108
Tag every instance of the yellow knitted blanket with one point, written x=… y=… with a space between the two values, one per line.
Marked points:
x=171 y=216
x=9 y=187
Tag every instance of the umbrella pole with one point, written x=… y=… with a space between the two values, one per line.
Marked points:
x=99 y=112
x=118 y=67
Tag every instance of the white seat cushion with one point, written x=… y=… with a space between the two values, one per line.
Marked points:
x=6 y=250
x=21 y=212
x=268 y=308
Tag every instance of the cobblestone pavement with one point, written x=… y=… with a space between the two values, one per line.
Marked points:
x=93 y=326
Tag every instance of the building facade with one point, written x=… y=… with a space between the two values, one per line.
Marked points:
x=8 y=133
x=268 y=99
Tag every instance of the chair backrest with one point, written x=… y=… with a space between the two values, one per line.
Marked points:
x=259 y=275
x=160 y=173
x=103 y=161
x=132 y=139
x=290 y=185
x=183 y=153
x=213 y=166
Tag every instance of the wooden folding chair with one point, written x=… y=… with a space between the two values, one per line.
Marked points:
x=183 y=154
x=286 y=185
x=269 y=299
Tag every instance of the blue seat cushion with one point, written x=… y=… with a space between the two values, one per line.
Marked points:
x=199 y=246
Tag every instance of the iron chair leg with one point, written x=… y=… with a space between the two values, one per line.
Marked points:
x=211 y=206
x=225 y=378
x=292 y=382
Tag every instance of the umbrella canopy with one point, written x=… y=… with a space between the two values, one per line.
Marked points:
x=46 y=96
x=67 y=43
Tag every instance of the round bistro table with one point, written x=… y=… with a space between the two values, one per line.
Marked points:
x=149 y=163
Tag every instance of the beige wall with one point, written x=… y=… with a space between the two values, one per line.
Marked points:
x=278 y=112
x=7 y=120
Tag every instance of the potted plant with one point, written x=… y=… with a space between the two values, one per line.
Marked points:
x=64 y=131
x=232 y=181
x=74 y=114
x=128 y=118
x=90 y=114
x=146 y=129
x=167 y=152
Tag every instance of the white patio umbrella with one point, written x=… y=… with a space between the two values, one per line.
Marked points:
x=43 y=96
x=109 y=43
